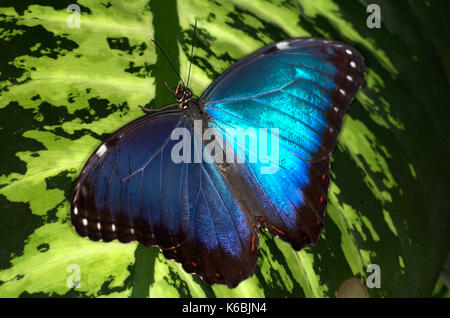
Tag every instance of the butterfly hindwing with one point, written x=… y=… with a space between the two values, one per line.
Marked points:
x=222 y=245
x=303 y=88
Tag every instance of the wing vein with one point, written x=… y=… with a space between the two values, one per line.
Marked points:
x=161 y=148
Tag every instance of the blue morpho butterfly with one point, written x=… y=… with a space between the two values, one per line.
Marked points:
x=205 y=214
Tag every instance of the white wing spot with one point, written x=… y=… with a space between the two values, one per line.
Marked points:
x=75 y=210
x=353 y=64
x=113 y=228
x=101 y=150
x=132 y=231
x=335 y=109
x=342 y=91
x=85 y=222
x=99 y=226
x=331 y=130
x=349 y=78
x=348 y=52
x=282 y=45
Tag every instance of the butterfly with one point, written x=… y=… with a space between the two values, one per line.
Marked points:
x=206 y=214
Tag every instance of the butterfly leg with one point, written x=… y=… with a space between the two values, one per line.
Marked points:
x=168 y=87
x=152 y=110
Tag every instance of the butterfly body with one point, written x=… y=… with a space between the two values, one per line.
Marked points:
x=203 y=213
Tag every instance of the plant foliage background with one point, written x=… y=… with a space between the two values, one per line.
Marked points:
x=63 y=90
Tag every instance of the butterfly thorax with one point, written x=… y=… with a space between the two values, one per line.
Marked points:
x=183 y=96
x=190 y=106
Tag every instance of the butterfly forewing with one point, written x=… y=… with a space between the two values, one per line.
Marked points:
x=303 y=88
x=130 y=189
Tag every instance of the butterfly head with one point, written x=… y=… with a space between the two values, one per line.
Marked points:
x=183 y=96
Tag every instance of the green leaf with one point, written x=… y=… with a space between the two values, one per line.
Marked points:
x=63 y=90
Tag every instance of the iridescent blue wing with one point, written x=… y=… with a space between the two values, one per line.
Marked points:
x=302 y=87
x=131 y=188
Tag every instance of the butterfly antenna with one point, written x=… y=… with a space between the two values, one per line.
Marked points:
x=171 y=65
x=192 y=53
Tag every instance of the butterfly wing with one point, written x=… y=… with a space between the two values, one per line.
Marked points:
x=222 y=244
x=302 y=87
x=131 y=188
